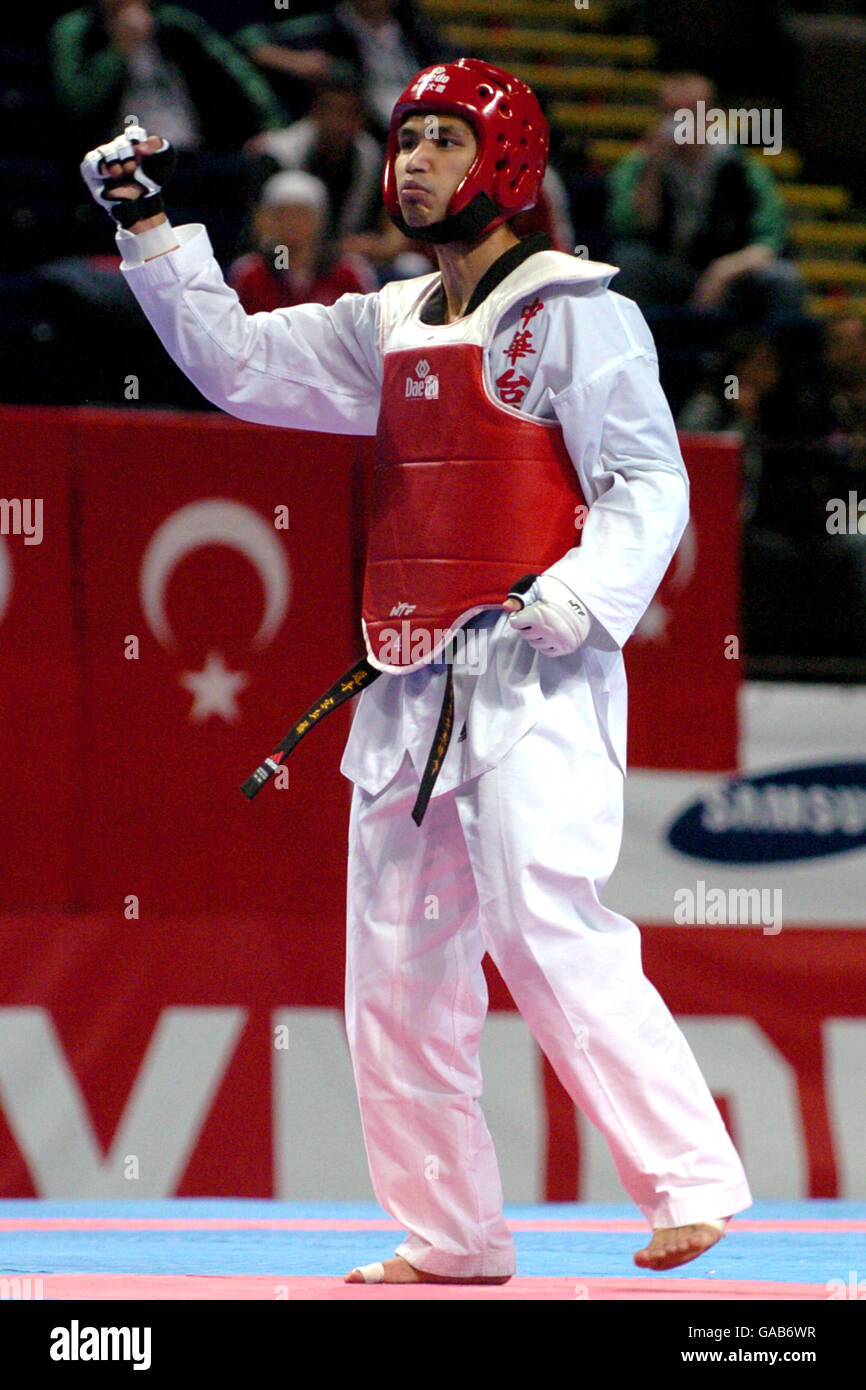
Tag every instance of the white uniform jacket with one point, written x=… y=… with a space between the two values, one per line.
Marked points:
x=590 y=364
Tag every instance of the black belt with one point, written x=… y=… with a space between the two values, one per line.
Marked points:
x=438 y=748
x=357 y=678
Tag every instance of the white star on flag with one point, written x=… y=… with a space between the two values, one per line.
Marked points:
x=214 y=689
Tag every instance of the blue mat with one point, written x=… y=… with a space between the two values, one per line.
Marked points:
x=777 y=1256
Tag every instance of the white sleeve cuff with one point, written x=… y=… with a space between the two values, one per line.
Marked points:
x=136 y=248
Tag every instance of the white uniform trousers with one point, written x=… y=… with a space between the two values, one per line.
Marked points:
x=513 y=863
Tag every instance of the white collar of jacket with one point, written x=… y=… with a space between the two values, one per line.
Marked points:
x=402 y=301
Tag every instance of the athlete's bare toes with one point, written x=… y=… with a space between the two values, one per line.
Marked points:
x=396 y=1271
x=399 y=1271
x=676 y=1245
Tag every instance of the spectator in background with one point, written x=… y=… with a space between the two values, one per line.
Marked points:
x=165 y=65
x=292 y=263
x=844 y=357
x=739 y=395
x=803 y=581
x=382 y=41
x=223 y=14
x=331 y=143
x=699 y=224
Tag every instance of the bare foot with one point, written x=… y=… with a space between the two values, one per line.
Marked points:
x=676 y=1245
x=399 y=1271
x=396 y=1271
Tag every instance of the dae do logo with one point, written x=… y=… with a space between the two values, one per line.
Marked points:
x=427 y=385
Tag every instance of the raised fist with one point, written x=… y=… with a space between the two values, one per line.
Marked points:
x=127 y=176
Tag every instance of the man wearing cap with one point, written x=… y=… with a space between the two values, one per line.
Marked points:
x=529 y=494
x=291 y=262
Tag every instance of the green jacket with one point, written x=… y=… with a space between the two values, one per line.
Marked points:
x=744 y=208
x=232 y=99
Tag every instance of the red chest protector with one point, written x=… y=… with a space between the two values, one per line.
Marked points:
x=468 y=496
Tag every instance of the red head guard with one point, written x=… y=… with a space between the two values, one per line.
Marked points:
x=512 y=134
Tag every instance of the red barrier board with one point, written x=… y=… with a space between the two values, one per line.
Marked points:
x=40 y=661
x=194 y=590
x=106 y=987
x=683 y=662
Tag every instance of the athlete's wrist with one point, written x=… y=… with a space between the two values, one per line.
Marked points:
x=147 y=224
x=156 y=238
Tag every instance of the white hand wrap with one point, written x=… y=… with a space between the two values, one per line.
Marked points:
x=553 y=619
x=160 y=164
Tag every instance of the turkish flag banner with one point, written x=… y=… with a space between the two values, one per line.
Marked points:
x=218 y=602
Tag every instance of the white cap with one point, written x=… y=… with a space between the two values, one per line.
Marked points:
x=293 y=186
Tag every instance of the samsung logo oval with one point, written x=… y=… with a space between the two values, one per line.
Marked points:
x=801 y=813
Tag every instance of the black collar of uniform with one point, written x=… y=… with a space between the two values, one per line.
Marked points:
x=435 y=309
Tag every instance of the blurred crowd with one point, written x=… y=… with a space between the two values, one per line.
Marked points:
x=280 y=126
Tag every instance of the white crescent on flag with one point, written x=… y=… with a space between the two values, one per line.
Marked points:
x=215 y=521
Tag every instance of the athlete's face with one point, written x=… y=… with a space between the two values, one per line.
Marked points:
x=434 y=154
